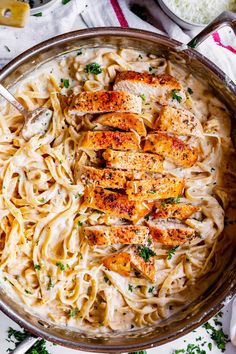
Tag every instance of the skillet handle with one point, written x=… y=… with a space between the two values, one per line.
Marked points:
x=227 y=18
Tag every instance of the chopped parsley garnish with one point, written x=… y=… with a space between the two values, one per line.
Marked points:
x=171 y=201
x=175 y=95
x=64 y=2
x=93 y=68
x=60 y=265
x=147 y=217
x=172 y=251
x=146 y=253
x=209 y=346
x=79 y=52
x=37 y=267
x=150 y=290
x=39 y=14
x=139 y=352
x=153 y=191
x=106 y=279
x=42 y=200
x=50 y=284
x=149 y=242
x=73 y=313
x=80 y=223
x=130 y=287
x=28 y=292
x=190 y=91
x=143 y=97
x=94 y=127
x=66 y=82
x=219 y=337
x=19 y=336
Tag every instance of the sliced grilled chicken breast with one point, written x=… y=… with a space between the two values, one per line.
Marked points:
x=145 y=267
x=172 y=148
x=178 y=121
x=105 y=236
x=123 y=121
x=164 y=88
x=179 y=211
x=119 y=262
x=105 y=178
x=122 y=262
x=109 y=139
x=115 y=204
x=133 y=161
x=171 y=233
x=151 y=189
x=104 y=102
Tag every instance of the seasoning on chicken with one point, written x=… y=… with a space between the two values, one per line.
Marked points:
x=125 y=234
x=115 y=204
x=179 y=211
x=171 y=233
x=104 y=102
x=133 y=161
x=123 y=121
x=109 y=139
x=142 y=259
x=163 y=88
x=152 y=189
x=178 y=121
x=105 y=178
x=172 y=148
x=119 y=262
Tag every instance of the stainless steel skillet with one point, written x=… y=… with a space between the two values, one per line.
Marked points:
x=225 y=286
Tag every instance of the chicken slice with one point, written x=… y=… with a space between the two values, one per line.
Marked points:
x=171 y=233
x=104 y=102
x=106 y=236
x=179 y=211
x=115 y=204
x=151 y=189
x=119 y=262
x=172 y=148
x=145 y=266
x=109 y=139
x=124 y=121
x=133 y=161
x=105 y=178
x=164 y=88
x=178 y=121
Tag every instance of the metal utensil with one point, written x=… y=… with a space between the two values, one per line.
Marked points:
x=36 y=122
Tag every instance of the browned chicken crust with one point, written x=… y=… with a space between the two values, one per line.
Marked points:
x=171 y=234
x=115 y=204
x=105 y=178
x=109 y=139
x=122 y=262
x=172 y=148
x=106 y=236
x=178 y=121
x=146 y=268
x=104 y=101
x=119 y=263
x=124 y=121
x=151 y=189
x=133 y=161
x=152 y=87
x=179 y=211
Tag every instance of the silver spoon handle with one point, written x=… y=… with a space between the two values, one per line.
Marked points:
x=10 y=98
x=25 y=345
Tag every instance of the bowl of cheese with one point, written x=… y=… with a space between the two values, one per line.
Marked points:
x=190 y=14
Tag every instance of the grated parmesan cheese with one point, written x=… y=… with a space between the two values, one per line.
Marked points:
x=200 y=11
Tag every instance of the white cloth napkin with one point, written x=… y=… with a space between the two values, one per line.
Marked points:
x=219 y=48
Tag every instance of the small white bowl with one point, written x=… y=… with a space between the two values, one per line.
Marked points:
x=183 y=23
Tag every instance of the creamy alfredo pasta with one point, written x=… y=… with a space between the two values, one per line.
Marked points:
x=46 y=260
